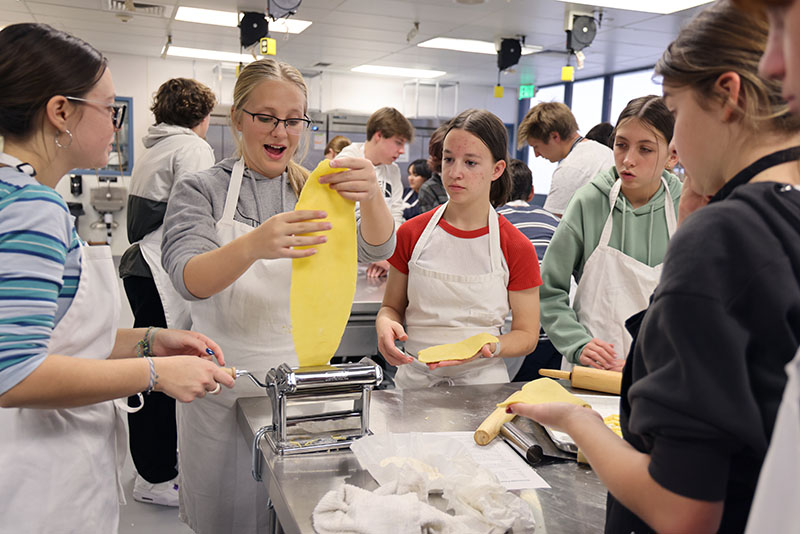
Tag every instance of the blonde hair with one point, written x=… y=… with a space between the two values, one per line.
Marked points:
x=544 y=119
x=337 y=144
x=721 y=39
x=249 y=78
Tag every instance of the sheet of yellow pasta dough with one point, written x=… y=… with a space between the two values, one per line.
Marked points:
x=543 y=390
x=455 y=351
x=323 y=285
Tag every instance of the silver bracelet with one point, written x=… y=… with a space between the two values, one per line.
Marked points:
x=153 y=375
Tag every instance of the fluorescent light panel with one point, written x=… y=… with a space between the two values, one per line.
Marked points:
x=231 y=19
x=214 y=55
x=471 y=45
x=207 y=16
x=398 y=71
x=648 y=6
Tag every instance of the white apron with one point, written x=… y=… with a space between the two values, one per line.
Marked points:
x=448 y=308
x=250 y=320
x=176 y=308
x=615 y=286
x=778 y=491
x=60 y=467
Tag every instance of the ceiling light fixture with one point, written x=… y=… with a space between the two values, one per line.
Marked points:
x=231 y=19
x=472 y=45
x=398 y=71
x=213 y=55
x=207 y=16
x=661 y=8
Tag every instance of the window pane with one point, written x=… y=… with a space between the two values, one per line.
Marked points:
x=629 y=86
x=541 y=168
x=587 y=103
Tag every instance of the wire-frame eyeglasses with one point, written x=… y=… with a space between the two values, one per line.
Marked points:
x=117 y=111
x=294 y=126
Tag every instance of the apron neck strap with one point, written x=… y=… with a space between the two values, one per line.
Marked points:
x=7 y=160
x=758 y=166
x=234 y=186
x=495 y=252
x=578 y=140
x=613 y=195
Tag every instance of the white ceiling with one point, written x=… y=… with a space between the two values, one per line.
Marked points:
x=347 y=33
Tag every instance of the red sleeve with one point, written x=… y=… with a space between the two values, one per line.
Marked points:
x=407 y=236
x=523 y=264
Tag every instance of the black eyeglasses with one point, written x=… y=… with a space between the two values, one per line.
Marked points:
x=293 y=126
x=117 y=112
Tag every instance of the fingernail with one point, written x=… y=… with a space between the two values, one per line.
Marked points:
x=509 y=410
x=209 y=352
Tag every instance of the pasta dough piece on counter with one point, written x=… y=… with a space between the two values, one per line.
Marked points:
x=323 y=285
x=456 y=351
x=543 y=390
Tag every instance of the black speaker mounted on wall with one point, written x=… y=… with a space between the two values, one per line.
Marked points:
x=252 y=27
x=509 y=53
x=584 y=29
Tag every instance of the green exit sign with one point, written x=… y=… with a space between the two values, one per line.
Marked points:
x=526 y=91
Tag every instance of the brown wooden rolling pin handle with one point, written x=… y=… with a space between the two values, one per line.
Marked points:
x=589 y=378
x=491 y=426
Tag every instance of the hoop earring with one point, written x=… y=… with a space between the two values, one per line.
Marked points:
x=59 y=145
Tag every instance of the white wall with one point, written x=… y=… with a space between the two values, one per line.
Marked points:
x=139 y=77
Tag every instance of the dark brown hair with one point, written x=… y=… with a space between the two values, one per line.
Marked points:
x=601 y=133
x=521 y=179
x=421 y=168
x=492 y=132
x=389 y=122
x=721 y=39
x=38 y=62
x=182 y=102
x=436 y=145
x=652 y=111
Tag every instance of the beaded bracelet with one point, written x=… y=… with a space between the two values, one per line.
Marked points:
x=153 y=375
x=144 y=347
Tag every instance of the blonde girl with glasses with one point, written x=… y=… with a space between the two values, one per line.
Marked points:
x=230 y=234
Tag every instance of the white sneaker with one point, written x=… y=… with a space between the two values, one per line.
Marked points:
x=163 y=493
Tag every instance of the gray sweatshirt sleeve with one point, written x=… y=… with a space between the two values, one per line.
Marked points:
x=371 y=253
x=190 y=224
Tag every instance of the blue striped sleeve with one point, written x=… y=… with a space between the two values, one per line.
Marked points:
x=36 y=233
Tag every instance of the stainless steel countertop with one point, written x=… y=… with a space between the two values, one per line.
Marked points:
x=575 y=503
x=369 y=293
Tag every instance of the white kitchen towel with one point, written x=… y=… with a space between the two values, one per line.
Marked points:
x=352 y=510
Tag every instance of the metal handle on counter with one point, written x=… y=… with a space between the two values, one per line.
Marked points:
x=523 y=444
x=256 y=464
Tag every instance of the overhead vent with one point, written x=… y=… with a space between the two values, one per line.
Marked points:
x=321 y=64
x=138 y=8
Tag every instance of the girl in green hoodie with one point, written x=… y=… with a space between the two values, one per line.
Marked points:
x=615 y=257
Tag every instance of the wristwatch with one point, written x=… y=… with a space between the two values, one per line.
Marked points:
x=496 y=350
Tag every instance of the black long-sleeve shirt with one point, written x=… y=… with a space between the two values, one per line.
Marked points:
x=703 y=382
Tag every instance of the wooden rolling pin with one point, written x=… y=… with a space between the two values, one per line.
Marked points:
x=491 y=426
x=587 y=378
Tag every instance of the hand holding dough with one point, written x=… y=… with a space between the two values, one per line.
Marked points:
x=543 y=390
x=462 y=350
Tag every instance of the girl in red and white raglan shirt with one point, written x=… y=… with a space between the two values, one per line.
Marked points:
x=459 y=269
